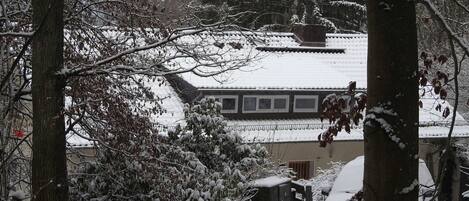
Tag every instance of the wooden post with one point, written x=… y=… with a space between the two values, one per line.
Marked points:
x=308 y=193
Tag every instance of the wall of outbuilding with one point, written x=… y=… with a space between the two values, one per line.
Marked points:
x=340 y=151
x=284 y=152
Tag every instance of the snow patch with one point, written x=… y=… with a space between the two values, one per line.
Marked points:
x=18 y=195
x=270 y=181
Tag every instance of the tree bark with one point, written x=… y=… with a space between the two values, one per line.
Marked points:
x=391 y=154
x=49 y=178
x=3 y=130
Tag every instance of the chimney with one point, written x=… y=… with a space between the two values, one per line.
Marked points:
x=311 y=35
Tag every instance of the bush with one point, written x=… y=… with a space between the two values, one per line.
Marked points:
x=201 y=160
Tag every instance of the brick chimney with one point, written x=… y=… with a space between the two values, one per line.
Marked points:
x=311 y=35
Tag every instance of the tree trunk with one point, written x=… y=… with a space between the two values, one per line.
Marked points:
x=49 y=180
x=3 y=130
x=391 y=124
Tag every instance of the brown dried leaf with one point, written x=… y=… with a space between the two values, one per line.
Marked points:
x=446 y=112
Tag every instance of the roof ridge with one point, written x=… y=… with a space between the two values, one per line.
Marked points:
x=268 y=33
x=346 y=35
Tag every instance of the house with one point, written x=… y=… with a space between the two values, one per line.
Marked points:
x=275 y=100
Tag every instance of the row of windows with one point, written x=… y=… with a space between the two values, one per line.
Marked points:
x=268 y=104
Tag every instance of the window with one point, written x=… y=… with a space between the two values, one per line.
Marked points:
x=249 y=104
x=306 y=103
x=229 y=103
x=265 y=104
x=303 y=169
x=280 y=103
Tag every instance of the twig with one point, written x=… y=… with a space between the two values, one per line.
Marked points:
x=440 y=18
x=14 y=149
x=23 y=50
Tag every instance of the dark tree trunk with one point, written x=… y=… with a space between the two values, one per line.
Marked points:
x=49 y=162
x=391 y=156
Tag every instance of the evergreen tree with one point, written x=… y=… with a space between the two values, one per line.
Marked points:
x=200 y=160
x=278 y=15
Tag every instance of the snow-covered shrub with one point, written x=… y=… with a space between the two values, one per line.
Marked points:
x=199 y=161
x=231 y=163
x=324 y=179
x=157 y=171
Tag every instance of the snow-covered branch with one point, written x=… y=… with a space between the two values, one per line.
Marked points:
x=16 y=34
x=168 y=39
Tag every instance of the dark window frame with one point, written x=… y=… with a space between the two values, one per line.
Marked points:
x=272 y=108
x=221 y=97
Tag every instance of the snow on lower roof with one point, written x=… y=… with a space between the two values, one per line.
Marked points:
x=307 y=130
x=311 y=135
x=170 y=102
x=283 y=68
x=76 y=141
x=431 y=125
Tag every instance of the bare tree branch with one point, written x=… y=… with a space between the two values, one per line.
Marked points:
x=441 y=19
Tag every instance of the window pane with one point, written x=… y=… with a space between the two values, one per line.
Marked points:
x=229 y=104
x=249 y=103
x=265 y=104
x=305 y=103
x=280 y=103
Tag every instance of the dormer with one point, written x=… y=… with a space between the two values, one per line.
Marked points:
x=288 y=79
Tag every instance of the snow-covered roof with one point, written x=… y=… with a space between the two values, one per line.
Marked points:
x=311 y=135
x=171 y=105
x=431 y=125
x=270 y=181
x=281 y=62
